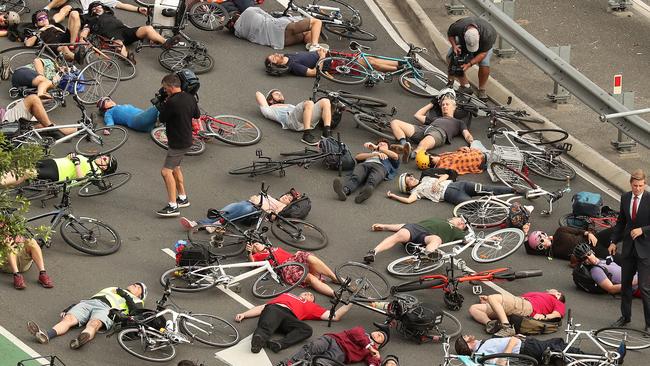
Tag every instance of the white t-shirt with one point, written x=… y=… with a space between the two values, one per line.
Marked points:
x=423 y=190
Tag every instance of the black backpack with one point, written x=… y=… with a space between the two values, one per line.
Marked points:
x=414 y=320
x=582 y=278
x=298 y=209
x=330 y=145
x=189 y=81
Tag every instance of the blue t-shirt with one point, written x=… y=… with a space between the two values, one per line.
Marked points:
x=131 y=116
x=299 y=62
x=495 y=345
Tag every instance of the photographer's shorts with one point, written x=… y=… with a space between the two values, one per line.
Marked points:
x=420 y=132
x=294 y=121
x=485 y=62
x=515 y=305
x=174 y=157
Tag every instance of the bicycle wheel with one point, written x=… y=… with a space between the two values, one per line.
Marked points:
x=366 y=282
x=218 y=332
x=542 y=136
x=322 y=361
x=633 y=338
x=159 y=136
x=104 y=184
x=349 y=31
x=511 y=177
x=554 y=168
x=362 y=100
x=577 y=221
x=517 y=116
x=208 y=16
x=233 y=130
x=224 y=241
x=146 y=344
x=342 y=70
x=345 y=12
x=14 y=5
x=103 y=140
x=127 y=67
x=32 y=191
x=411 y=265
x=149 y=3
x=299 y=234
x=90 y=236
x=266 y=287
x=450 y=325
x=21 y=56
x=423 y=83
x=186 y=57
x=591 y=362
x=482 y=212
x=507 y=359
x=497 y=245
x=419 y=284
x=375 y=125
x=189 y=278
x=97 y=80
x=258 y=168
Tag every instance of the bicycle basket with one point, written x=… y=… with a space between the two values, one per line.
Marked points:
x=511 y=156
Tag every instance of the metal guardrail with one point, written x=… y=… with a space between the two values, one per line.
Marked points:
x=560 y=71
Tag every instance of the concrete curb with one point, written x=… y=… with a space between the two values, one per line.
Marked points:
x=582 y=153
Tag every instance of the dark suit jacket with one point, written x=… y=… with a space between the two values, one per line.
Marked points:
x=625 y=224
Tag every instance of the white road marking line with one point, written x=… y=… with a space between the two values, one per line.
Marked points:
x=240 y=354
x=23 y=347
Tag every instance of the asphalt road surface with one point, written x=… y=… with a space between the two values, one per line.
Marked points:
x=230 y=89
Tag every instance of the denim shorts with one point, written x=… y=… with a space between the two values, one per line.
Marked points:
x=87 y=310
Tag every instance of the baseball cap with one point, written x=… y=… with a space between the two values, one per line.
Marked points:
x=471 y=39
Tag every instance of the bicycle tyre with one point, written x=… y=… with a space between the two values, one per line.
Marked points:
x=511 y=177
x=15 y=5
x=518 y=116
x=537 y=136
x=104 y=184
x=24 y=56
x=362 y=101
x=230 y=243
x=349 y=31
x=310 y=237
x=482 y=212
x=374 y=125
x=577 y=221
x=90 y=238
x=419 y=284
x=177 y=58
x=242 y=132
x=127 y=67
x=258 y=168
x=555 y=170
x=102 y=144
x=208 y=16
x=411 y=265
x=189 y=279
x=591 y=362
x=32 y=191
x=511 y=359
x=366 y=282
x=266 y=292
x=357 y=73
x=227 y=335
x=148 y=3
x=511 y=239
x=132 y=337
x=450 y=325
x=613 y=336
x=94 y=82
x=427 y=85
x=353 y=18
x=322 y=361
x=159 y=136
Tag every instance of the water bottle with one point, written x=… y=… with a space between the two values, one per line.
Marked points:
x=169 y=325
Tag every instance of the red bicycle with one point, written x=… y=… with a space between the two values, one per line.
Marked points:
x=605 y=220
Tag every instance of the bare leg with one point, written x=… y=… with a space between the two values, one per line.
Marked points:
x=67 y=54
x=479 y=313
x=149 y=33
x=35 y=107
x=55 y=4
x=36 y=253
x=326 y=111
x=65 y=324
x=427 y=143
x=401 y=236
x=496 y=304
x=170 y=183
x=42 y=85
x=386 y=227
x=383 y=65
x=74 y=25
x=308 y=108
x=318 y=267
x=92 y=327
x=13 y=262
x=180 y=181
x=10 y=180
x=483 y=75
x=432 y=242
x=401 y=129
x=123 y=51
x=315 y=26
x=319 y=285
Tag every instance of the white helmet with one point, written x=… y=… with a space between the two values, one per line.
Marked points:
x=11 y=18
x=446 y=93
x=401 y=183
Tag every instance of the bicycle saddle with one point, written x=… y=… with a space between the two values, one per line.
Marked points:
x=356 y=46
x=169 y=12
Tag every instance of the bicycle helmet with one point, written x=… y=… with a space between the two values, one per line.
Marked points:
x=385 y=329
x=401 y=183
x=143 y=295
x=11 y=18
x=275 y=69
x=582 y=251
x=446 y=93
x=461 y=347
x=422 y=160
x=535 y=240
x=112 y=165
x=269 y=97
x=94 y=4
x=101 y=103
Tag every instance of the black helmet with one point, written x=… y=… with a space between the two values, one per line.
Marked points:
x=112 y=165
x=94 y=4
x=385 y=329
x=582 y=250
x=276 y=70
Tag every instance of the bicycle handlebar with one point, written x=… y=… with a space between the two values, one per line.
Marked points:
x=510 y=276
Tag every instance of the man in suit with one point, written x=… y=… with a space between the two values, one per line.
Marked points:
x=633 y=228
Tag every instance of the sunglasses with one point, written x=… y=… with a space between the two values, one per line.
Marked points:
x=542 y=238
x=42 y=17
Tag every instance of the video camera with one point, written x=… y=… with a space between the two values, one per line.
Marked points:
x=159 y=98
x=456 y=63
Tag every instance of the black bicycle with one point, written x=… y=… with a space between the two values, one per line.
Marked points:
x=14 y=5
x=468 y=102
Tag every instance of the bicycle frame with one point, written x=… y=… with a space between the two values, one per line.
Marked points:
x=314 y=11
x=219 y=274
x=386 y=76
x=536 y=192
x=574 y=335
x=176 y=317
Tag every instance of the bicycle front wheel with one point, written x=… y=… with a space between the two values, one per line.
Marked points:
x=365 y=282
x=218 y=332
x=97 y=80
x=376 y=125
x=508 y=359
x=21 y=56
x=223 y=241
x=159 y=136
x=511 y=177
x=208 y=16
x=423 y=83
x=349 y=31
x=551 y=168
x=189 y=278
x=497 y=245
x=195 y=59
x=482 y=212
x=14 y=5
x=104 y=184
x=449 y=326
x=299 y=234
x=90 y=236
x=614 y=336
x=266 y=287
x=101 y=141
x=146 y=344
x=412 y=265
x=542 y=136
x=233 y=130
x=345 y=12
x=127 y=67
x=342 y=70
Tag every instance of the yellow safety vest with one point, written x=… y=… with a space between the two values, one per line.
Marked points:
x=117 y=301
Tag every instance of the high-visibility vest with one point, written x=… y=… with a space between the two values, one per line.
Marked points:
x=117 y=301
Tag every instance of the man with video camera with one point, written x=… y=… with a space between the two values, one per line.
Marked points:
x=471 y=41
x=177 y=109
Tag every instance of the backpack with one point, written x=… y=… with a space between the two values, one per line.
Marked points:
x=68 y=82
x=189 y=81
x=587 y=204
x=298 y=209
x=518 y=216
x=582 y=278
x=528 y=326
x=345 y=161
x=437 y=172
x=193 y=256
x=415 y=320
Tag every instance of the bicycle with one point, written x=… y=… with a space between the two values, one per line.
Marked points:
x=58 y=97
x=363 y=286
x=14 y=5
x=338 y=18
x=513 y=359
x=159 y=345
x=208 y=15
x=50 y=360
x=633 y=339
x=92 y=140
x=504 y=113
x=606 y=220
x=485 y=249
x=94 y=236
x=228 y=239
x=357 y=69
x=111 y=50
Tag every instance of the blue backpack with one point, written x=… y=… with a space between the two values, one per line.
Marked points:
x=68 y=80
x=587 y=204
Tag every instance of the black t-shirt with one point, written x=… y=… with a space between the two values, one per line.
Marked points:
x=436 y=112
x=56 y=33
x=487 y=33
x=177 y=113
x=453 y=127
x=106 y=25
x=299 y=62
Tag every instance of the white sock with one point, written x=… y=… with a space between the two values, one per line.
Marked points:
x=172 y=204
x=182 y=197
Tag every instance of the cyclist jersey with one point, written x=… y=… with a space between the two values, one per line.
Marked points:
x=424 y=189
x=495 y=345
x=49 y=70
x=280 y=255
x=54 y=33
x=303 y=310
x=60 y=169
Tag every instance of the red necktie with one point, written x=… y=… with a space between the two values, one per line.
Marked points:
x=635 y=203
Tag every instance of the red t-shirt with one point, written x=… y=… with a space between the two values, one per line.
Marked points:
x=280 y=254
x=303 y=310
x=544 y=303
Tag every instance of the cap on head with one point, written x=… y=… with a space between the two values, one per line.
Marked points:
x=94 y=4
x=472 y=39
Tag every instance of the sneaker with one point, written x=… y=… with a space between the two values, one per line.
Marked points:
x=19 y=282
x=256 y=343
x=492 y=326
x=309 y=139
x=338 y=188
x=182 y=203
x=365 y=193
x=187 y=224
x=406 y=152
x=168 y=211
x=275 y=346
x=82 y=339
x=45 y=280
x=5 y=69
x=36 y=331
x=507 y=330
x=482 y=95
x=170 y=42
x=465 y=89
x=318 y=46
x=370 y=257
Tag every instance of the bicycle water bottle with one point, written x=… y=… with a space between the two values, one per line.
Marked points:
x=169 y=325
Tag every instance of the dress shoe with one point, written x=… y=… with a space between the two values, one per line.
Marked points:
x=621 y=322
